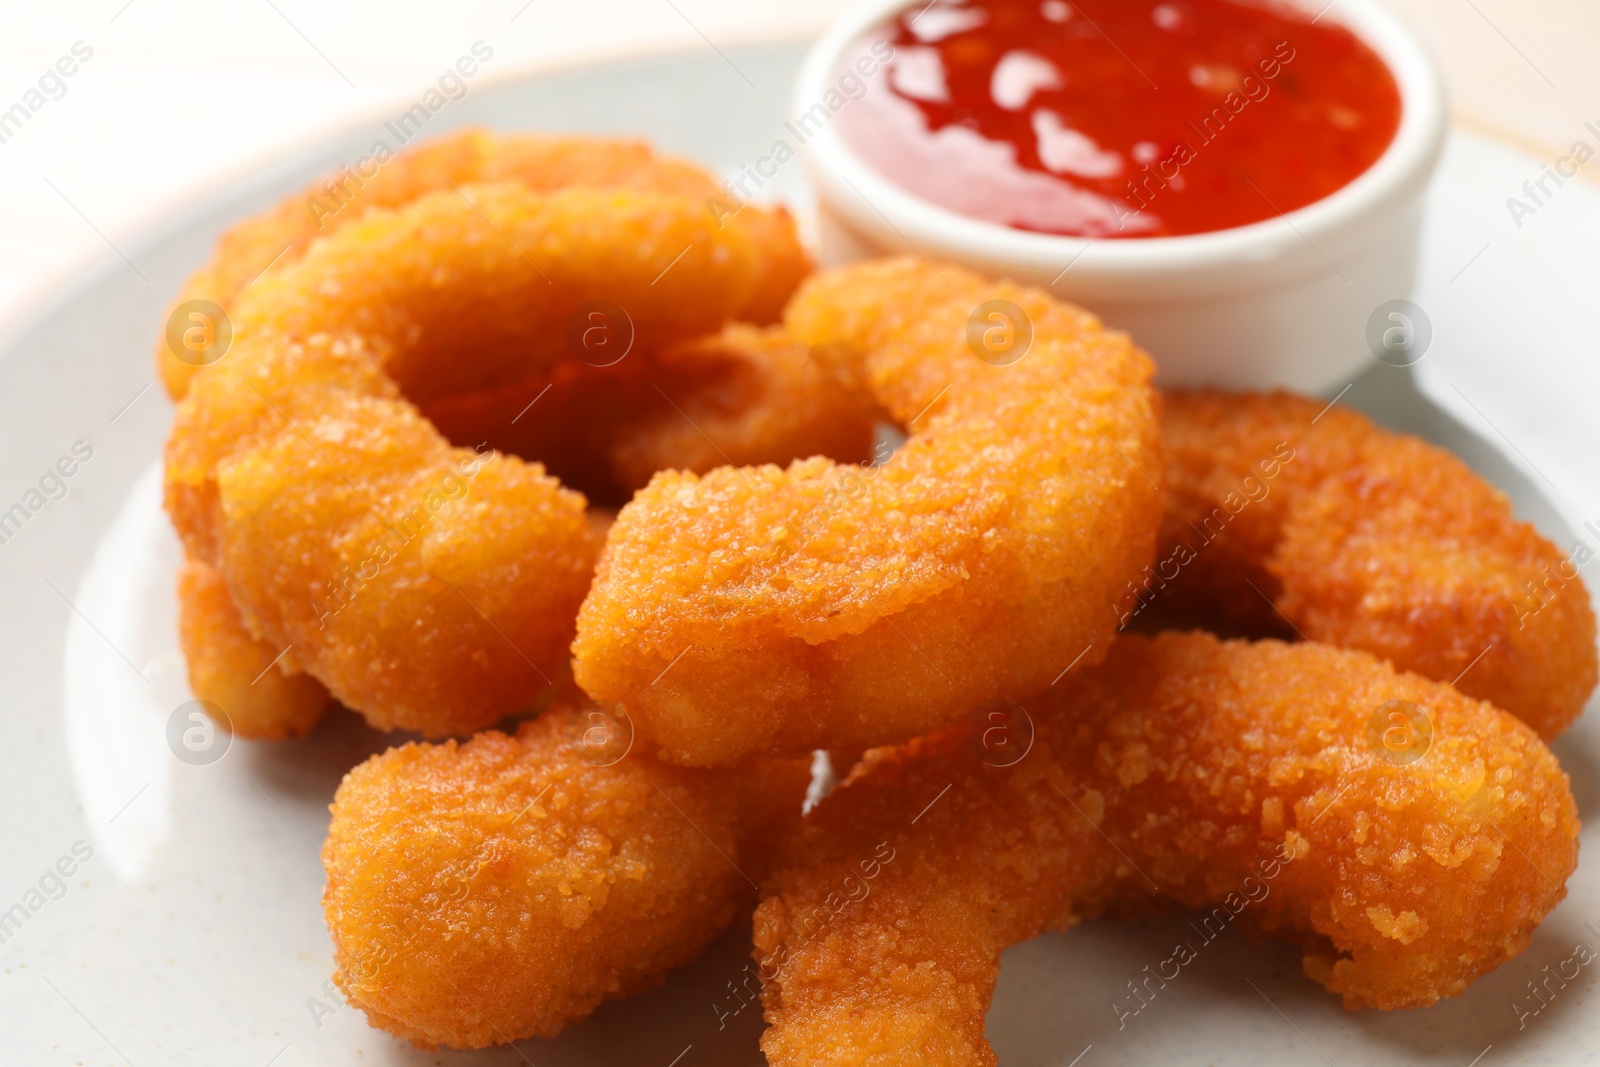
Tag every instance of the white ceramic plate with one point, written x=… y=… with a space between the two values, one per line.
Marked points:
x=193 y=934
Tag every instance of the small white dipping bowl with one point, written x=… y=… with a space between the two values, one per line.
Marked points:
x=1283 y=302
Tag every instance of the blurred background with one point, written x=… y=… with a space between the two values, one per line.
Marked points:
x=176 y=96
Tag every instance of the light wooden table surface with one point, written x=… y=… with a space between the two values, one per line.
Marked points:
x=177 y=95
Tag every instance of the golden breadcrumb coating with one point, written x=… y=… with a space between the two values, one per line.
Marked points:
x=280 y=237
x=428 y=587
x=1253 y=780
x=767 y=610
x=504 y=887
x=1374 y=540
x=230 y=668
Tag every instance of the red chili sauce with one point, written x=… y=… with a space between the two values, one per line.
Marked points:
x=1112 y=119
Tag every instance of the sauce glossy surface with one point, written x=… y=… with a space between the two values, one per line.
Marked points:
x=1108 y=119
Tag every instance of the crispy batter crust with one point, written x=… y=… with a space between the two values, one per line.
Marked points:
x=1373 y=540
x=503 y=888
x=542 y=164
x=818 y=605
x=1223 y=775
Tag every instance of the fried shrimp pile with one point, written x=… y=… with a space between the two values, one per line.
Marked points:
x=541 y=164
x=506 y=417
x=1367 y=539
x=503 y=888
x=429 y=587
x=1185 y=769
x=767 y=610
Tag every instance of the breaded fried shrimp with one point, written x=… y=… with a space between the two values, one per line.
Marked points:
x=542 y=164
x=1374 y=540
x=1269 y=782
x=428 y=587
x=767 y=610
x=504 y=887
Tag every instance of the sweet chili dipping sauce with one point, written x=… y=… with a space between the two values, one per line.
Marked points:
x=1103 y=118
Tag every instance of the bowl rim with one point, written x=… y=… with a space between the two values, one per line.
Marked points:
x=1395 y=180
